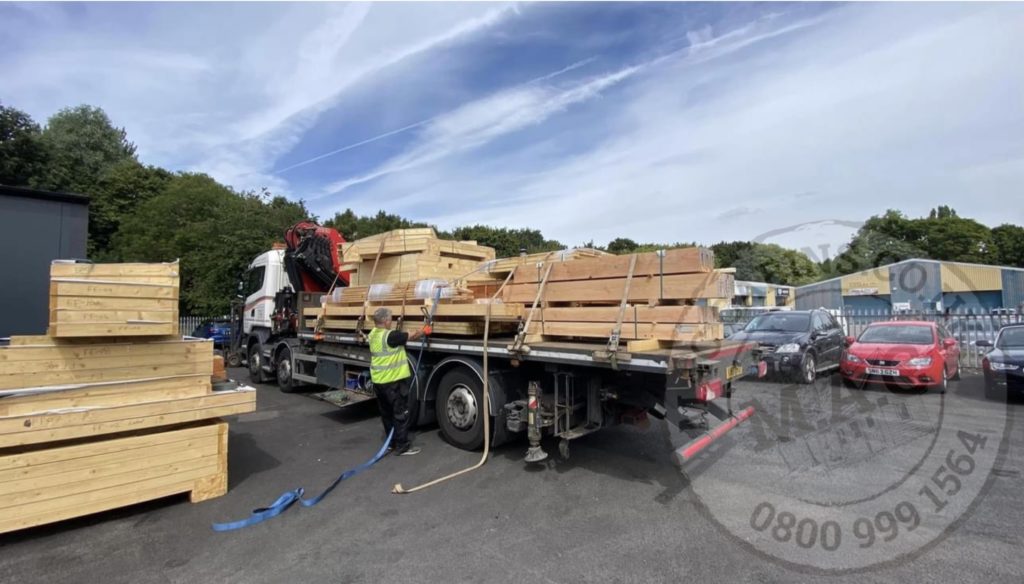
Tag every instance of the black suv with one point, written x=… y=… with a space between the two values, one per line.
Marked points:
x=796 y=343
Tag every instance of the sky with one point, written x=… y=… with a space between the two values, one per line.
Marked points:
x=661 y=122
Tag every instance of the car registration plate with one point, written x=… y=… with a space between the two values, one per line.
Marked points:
x=880 y=371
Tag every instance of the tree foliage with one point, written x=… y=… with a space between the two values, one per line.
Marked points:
x=352 y=226
x=82 y=144
x=1009 y=242
x=506 y=242
x=22 y=154
x=214 y=231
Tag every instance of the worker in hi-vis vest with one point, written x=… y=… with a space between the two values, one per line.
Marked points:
x=390 y=372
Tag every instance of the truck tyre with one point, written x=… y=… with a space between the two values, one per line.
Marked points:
x=459 y=408
x=285 y=381
x=255 y=355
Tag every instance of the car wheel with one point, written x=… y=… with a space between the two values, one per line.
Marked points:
x=807 y=372
x=256 y=373
x=459 y=408
x=285 y=381
x=233 y=360
x=994 y=393
x=944 y=384
x=956 y=374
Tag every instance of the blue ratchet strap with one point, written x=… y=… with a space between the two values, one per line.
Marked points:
x=287 y=499
x=263 y=513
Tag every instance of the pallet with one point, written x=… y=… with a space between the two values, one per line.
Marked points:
x=51 y=483
x=106 y=300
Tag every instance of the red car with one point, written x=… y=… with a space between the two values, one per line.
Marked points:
x=902 y=353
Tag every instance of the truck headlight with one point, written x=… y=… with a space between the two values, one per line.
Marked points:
x=789 y=348
x=997 y=366
x=920 y=362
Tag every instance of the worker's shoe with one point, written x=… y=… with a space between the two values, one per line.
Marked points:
x=408 y=451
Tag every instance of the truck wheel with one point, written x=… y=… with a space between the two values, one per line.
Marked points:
x=285 y=381
x=233 y=359
x=256 y=374
x=460 y=409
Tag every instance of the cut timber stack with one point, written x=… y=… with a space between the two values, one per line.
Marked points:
x=407 y=255
x=663 y=303
x=94 y=423
x=88 y=300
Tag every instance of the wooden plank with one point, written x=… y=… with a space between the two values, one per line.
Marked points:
x=100 y=303
x=676 y=287
x=442 y=328
x=81 y=503
x=127 y=473
x=26 y=348
x=643 y=345
x=71 y=270
x=46 y=366
x=664 y=332
x=153 y=314
x=43 y=379
x=676 y=261
x=217 y=484
x=506 y=265
x=114 y=420
x=94 y=329
x=87 y=288
x=654 y=314
x=17 y=463
x=498 y=311
x=119 y=394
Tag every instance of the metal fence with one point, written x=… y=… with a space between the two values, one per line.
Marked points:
x=966 y=327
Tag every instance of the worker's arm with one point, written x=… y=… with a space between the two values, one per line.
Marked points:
x=401 y=338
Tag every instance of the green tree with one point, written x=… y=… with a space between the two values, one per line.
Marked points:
x=22 y=154
x=1009 y=242
x=119 y=191
x=506 y=242
x=215 y=232
x=768 y=262
x=352 y=226
x=622 y=245
x=82 y=144
x=727 y=253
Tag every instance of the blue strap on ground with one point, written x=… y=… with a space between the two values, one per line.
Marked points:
x=263 y=513
x=287 y=499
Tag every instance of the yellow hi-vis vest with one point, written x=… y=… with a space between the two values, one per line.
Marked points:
x=387 y=364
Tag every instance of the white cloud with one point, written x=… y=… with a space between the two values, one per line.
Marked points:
x=876 y=106
x=225 y=91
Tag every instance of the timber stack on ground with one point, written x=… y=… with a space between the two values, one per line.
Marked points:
x=93 y=423
x=652 y=300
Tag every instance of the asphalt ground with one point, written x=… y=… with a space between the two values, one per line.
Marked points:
x=616 y=511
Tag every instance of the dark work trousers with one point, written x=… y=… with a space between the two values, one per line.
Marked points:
x=393 y=400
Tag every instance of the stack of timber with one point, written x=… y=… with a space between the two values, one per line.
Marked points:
x=407 y=255
x=88 y=300
x=89 y=424
x=662 y=303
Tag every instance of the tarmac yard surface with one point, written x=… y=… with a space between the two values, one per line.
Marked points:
x=616 y=511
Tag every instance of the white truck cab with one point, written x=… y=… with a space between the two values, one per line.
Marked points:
x=265 y=277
